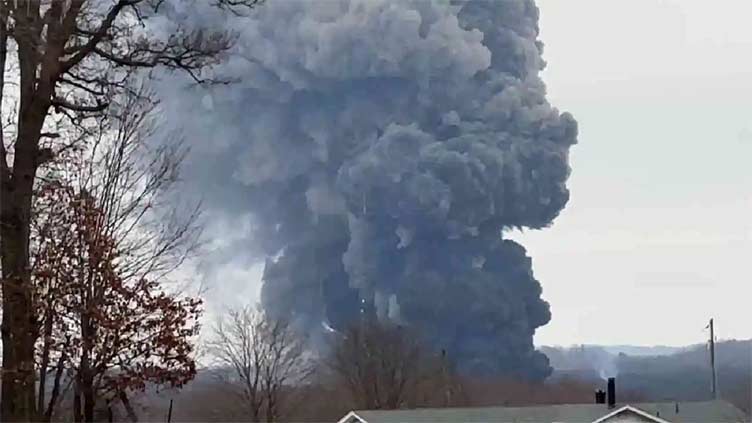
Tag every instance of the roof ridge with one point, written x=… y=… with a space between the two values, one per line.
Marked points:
x=571 y=404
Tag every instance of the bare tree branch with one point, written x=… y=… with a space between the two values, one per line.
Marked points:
x=265 y=358
x=4 y=169
x=72 y=58
x=96 y=36
x=62 y=103
x=100 y=244
x=384 y=366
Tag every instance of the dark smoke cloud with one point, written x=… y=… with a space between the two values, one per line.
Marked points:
x=380 y=149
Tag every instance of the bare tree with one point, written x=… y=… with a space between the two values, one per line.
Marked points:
x=263 y=358
x=134 y=181
x=385 y=366
x=72 y=56
x=119 y=333
x=100 y=246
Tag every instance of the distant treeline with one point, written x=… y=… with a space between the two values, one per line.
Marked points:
x=682 y=376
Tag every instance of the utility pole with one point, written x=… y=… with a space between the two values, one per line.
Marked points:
x=713 y=382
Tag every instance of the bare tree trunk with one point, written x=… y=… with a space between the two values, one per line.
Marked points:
x=89 y=398
x=271 y=405
x=77 y=417
x=19 y=319
x=44 y=364
x=128 y=407
x=55 y=389
x=18 y=325
x=85 y=370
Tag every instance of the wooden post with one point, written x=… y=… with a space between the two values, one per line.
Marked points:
x=713 y=381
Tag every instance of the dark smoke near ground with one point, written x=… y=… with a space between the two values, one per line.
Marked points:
x=379 y=150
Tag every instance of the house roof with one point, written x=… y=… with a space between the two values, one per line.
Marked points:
x=705 y=411
x=628 y=409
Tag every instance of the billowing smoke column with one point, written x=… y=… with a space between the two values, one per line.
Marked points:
x=381 y=149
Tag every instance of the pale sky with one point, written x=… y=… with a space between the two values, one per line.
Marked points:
x=656 y=238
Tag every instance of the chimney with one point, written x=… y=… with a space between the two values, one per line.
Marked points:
x=600 y=396
x=611 y=392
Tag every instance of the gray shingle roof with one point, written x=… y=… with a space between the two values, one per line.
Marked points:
x=689 y=412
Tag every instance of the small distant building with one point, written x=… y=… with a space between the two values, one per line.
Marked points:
x=659 y=412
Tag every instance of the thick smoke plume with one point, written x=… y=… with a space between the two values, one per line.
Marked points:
x=379 y=150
